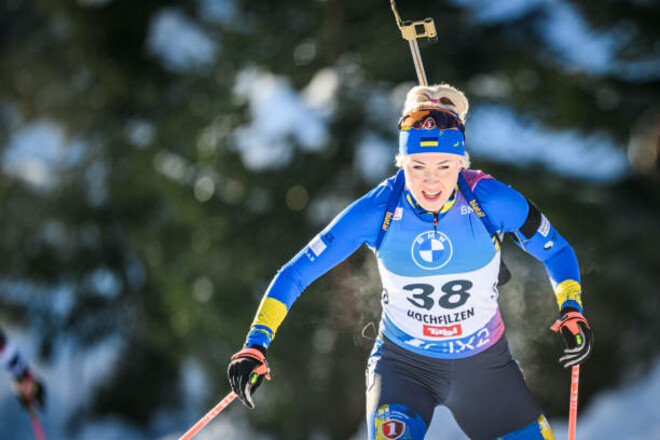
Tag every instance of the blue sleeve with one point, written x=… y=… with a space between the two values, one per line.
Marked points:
x=357 y=225
x=509 y=211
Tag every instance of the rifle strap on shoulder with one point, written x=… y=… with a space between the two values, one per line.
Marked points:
x=392 y=202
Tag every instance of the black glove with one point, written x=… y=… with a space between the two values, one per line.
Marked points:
x=246 y=372
x=577 y=336
x=29 y=390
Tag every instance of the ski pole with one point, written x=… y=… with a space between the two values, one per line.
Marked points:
x=572 y=409
x=411 y=31
x=36 y=424
x=229 y=398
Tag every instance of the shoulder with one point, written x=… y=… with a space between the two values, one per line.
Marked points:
x=380 y=195
x=507 y=207
x=371 y=206
x=361 y=221
x=472 y=177
x=487 y=188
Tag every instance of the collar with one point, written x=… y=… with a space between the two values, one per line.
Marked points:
x=418 y=208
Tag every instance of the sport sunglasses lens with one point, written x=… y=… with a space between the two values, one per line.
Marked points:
x=438 y=119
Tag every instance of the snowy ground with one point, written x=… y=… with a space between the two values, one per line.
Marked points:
x=630 y=412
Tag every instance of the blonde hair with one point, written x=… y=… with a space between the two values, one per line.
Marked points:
x=442 y=96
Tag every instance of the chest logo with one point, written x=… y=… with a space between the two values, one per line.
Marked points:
x=431 y=250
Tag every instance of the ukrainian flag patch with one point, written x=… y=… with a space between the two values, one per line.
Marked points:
x=428 y=142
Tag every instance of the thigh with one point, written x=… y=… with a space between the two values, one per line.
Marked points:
x=489 y=396
x=398 y=405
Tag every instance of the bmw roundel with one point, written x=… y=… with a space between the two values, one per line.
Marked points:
x=431 y=250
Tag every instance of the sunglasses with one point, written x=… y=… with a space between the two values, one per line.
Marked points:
x=429 y=119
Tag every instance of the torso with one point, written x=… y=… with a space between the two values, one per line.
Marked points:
x=440 y=288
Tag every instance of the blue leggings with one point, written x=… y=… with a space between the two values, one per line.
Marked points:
x=486 y=393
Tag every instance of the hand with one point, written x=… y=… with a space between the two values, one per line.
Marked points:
x=29 y=390
x=577 y=336
x=246 y=372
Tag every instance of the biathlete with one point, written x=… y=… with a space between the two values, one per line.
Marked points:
x=435 y=229
x=28 y=388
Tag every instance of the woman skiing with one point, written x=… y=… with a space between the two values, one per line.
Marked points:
x=435 y=229
x=28 y=388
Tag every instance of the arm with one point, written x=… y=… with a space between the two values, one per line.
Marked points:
x=356 y=225
x=511 y=212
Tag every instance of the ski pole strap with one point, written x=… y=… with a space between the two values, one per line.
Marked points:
x=258 y=356
x=392 y=202
x=570 y=321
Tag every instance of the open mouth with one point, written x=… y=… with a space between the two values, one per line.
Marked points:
x=431 y=195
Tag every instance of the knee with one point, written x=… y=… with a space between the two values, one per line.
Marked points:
x=396 y=421
x=539 y=429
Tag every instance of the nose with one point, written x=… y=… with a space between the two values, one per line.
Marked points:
x=431 y=175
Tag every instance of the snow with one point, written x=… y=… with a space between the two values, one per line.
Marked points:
x=630 y=412
x=278 y=115
x=496 y=133
x=573 y=42
x=179 y=43
x=374 y=158
x=32 y=152
x=222 y=12
x=488 y=11
x=576 y=44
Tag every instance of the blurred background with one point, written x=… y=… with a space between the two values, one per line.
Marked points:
x=160 y=160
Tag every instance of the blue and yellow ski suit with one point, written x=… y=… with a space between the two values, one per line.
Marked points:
x=439 y=275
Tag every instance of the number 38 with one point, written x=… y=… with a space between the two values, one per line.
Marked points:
x=455 y=294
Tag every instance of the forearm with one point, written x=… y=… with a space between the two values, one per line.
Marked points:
x=274 y=306
x=560 y=262
x=564 y=275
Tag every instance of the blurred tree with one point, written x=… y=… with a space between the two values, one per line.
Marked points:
x=160 y=233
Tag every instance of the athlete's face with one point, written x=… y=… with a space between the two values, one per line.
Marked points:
x=432 y=177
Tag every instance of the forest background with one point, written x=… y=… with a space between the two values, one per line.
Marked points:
x=160 y=160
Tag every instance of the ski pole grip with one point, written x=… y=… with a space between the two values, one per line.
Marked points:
x=257 y=355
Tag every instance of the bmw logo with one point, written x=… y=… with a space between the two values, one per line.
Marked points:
x=431 y=250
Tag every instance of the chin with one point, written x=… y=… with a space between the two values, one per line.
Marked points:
x=433 y=208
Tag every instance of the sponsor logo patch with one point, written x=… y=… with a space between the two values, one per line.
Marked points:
x=392 y=429
x=431 y=250
x=544 y=229
x=443 y=332
x=317 y=246
x=398 y=213
x=429 y=124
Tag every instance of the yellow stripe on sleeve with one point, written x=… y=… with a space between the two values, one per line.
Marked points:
x=568 y=290
x=270 y=314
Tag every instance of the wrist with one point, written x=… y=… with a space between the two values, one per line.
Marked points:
x=258 y=354
x=568 y=309
x=258 y=335
x=258 y=347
